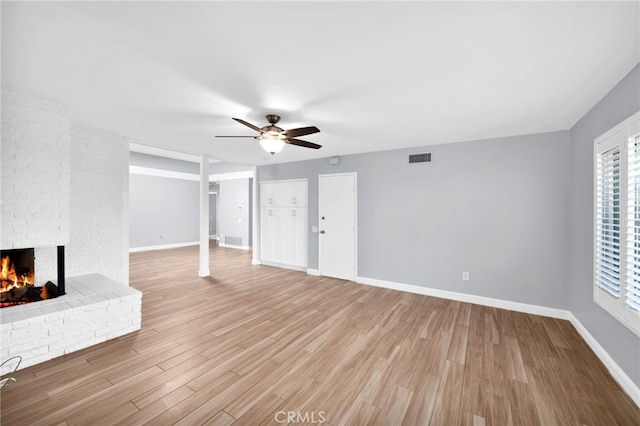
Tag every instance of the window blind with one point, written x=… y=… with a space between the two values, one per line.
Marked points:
x=608 y=221
x=633 y=225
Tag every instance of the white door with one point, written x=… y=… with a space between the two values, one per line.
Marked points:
x=271 y=234
x=337 y=225
x=295 y=237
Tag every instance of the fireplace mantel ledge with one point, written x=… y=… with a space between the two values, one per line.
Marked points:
x=95 y=309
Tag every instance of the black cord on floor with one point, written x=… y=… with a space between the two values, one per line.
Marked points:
x=6 y=381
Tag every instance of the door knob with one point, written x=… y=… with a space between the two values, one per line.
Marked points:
x=322 y=232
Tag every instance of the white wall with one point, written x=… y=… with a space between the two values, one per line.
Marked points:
x=35 y=172
x=99 y=214
x=36 y=185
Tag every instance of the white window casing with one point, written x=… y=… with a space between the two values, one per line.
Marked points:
x=617 y=222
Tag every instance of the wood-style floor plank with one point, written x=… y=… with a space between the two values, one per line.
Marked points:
x=254 y=341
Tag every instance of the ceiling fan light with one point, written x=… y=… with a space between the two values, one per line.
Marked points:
x=272 y=145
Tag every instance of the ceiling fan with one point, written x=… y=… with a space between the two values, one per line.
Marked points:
x=272 y=138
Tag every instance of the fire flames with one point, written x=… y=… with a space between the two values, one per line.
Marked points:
x=12 y=280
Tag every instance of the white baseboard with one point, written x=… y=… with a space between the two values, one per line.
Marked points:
x=314 y=272
x=235 y=247
x=614 y=369
x=469 y=298
x=282 y=265
x=163 y=246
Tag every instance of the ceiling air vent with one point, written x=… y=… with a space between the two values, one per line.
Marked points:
x=420 y=158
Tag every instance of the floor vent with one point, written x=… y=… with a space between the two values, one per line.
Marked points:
x=233 y=241
x=420 y=158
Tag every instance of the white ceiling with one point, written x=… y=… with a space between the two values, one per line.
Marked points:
x=371 y=75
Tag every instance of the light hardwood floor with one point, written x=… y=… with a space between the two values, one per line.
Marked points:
x=256 y=342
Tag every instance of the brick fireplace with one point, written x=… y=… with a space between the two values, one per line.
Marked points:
x=63 y=185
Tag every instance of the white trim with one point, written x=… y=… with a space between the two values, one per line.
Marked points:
x=146 y=148
x=614 y=369
x=231 y=175
x=163 y=246
x=235 y=247
x=285 y=180
x=468 y=298
x=148 y=171
x=282 y=265
x=314 y=272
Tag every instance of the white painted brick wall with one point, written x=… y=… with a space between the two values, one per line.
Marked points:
x=99 y=184
x=35 y=172
x=62 y=185
x=94 y=310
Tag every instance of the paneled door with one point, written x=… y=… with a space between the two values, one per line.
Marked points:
x=283 y=223
x=338 y=225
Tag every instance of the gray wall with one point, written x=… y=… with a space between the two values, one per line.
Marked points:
x=166 y=210
x=163 y=211
x=496 y=208
x=615 y=338
x=234 y=218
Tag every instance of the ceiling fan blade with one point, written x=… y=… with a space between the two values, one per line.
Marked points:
x=252 y=137
x=303 y=143
x=301 y=131
x=257 y=129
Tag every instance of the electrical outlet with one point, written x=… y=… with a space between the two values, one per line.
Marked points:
x=465 y=275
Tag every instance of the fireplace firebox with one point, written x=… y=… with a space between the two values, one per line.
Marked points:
x=18 y=278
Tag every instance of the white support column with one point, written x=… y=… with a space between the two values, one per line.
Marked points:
x=204 y=216
x=255 y=237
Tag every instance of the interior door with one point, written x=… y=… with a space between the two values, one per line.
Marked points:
x=337 y=225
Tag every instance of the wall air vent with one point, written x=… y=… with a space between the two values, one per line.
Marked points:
x=420 y=158
x=233 y=241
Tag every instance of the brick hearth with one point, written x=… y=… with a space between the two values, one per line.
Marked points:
x=94 y=310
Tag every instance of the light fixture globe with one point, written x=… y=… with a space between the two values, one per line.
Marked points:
x=271 y=144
